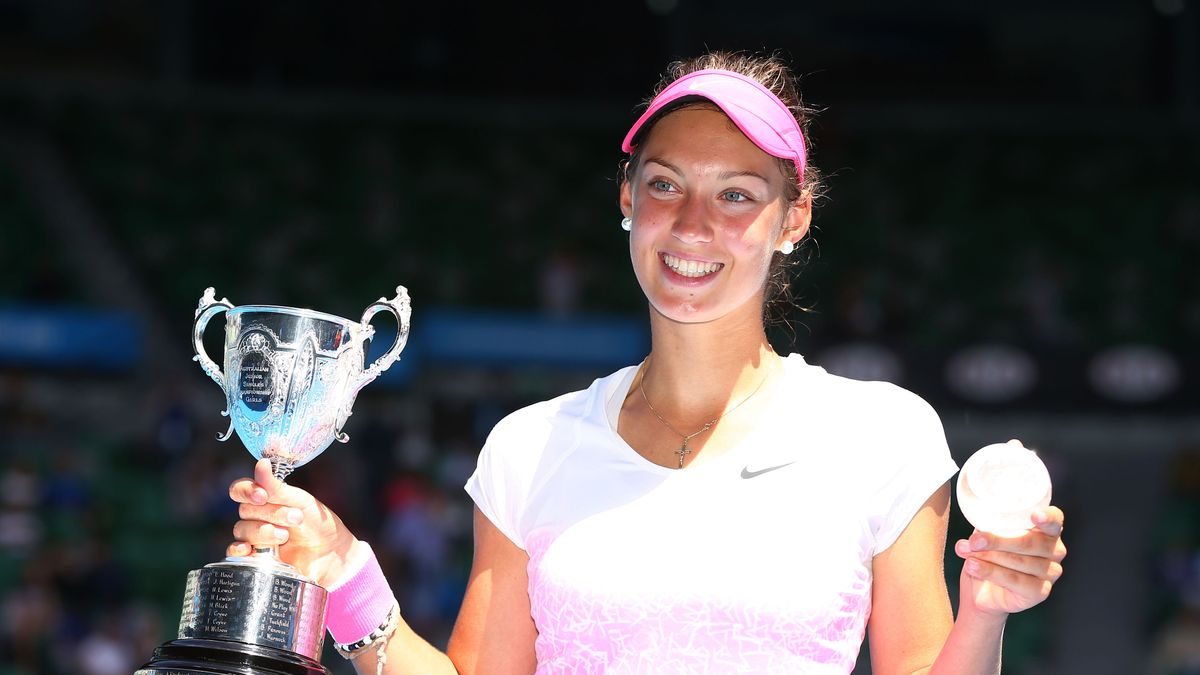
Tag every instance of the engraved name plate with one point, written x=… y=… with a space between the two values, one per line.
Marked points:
x=256 y=370
x=254 y=605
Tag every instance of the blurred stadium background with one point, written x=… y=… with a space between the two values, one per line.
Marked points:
x=1012 y=231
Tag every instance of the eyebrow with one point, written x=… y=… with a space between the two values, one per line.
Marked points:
x=663 y=162
x=724 y=175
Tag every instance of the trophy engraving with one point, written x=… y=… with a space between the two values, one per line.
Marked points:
x=290 y=379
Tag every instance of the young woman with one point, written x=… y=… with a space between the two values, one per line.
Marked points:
x=718 y=507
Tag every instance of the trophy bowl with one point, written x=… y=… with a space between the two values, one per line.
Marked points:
x=291 y=375
x=290 y=379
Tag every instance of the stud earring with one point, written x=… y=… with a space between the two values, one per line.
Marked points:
x=627 y=224
x=787 y=247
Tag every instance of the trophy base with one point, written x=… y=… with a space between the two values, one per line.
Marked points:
x=223 y=657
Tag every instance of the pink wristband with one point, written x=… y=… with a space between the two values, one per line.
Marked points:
x=360 y=604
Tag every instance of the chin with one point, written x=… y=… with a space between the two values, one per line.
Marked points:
x=685 y=315
x=706 y=308
x=691 y=312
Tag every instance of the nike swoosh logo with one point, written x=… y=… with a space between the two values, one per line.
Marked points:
x=747 y=473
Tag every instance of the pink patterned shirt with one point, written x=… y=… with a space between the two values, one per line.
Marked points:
x=758 y=561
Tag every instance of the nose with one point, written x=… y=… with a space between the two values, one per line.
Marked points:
x=691 y=223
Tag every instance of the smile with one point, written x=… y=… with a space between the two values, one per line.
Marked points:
x=690 y=268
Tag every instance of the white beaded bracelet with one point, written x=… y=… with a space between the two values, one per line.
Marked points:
x=376 y=638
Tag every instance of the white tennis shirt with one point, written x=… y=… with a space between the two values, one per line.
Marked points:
x=756 y=561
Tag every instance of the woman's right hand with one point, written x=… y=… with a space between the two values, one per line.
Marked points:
x=310 y=536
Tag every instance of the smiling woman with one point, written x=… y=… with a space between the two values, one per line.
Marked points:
x=676 y=515
x=709 y=215
x=761 y=100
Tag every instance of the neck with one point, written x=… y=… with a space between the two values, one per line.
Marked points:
x=698 y=371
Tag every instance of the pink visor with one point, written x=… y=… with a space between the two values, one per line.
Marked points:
x=753 y=108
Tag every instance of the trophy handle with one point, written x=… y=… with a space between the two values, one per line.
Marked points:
x=401 y=308
x=208 y=308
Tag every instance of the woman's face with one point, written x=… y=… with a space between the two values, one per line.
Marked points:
x=708 y=212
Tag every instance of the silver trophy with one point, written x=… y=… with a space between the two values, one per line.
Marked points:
x=290 y=379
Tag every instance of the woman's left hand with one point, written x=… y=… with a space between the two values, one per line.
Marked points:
x=1002 y=576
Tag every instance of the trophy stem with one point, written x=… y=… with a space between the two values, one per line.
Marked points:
x=268 y=551
x=281 y=467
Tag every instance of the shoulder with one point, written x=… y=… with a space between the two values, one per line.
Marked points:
x=866 y=421
x=885 y=441
x=858 y=400
x=526 y=448
x=533 y=430
x=537 y=418
x=542 y=417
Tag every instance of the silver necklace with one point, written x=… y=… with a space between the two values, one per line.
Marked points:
x=684 y=450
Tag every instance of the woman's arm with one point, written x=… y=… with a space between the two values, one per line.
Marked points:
x=910 y=606
x=495 y=625
x=910 y=629
x=494 y=632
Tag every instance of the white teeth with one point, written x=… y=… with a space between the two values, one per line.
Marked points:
x=690 y=268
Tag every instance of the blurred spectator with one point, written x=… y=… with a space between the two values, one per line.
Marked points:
x=20 y=491
x=89 y=577
x=192 y=483
x=1040 y=293
x=456 y=463
x=860 y=303
x=145 y=629
x=1176 y=641
x=174 y=426
x=107 y=650
x=416 y=547
x=413 y=449
x=560 y=284
x=66 y=487
x=1176 y=648
x=29 y=621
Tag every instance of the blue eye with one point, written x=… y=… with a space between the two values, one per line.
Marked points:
x=735 y=196
x=661 y=185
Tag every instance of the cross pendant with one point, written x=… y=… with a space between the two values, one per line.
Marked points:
x=682 y=451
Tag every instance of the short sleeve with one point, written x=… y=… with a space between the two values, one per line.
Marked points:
x=916 y=461
x=503 y=479
x=495 y=486
x=520 y=457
